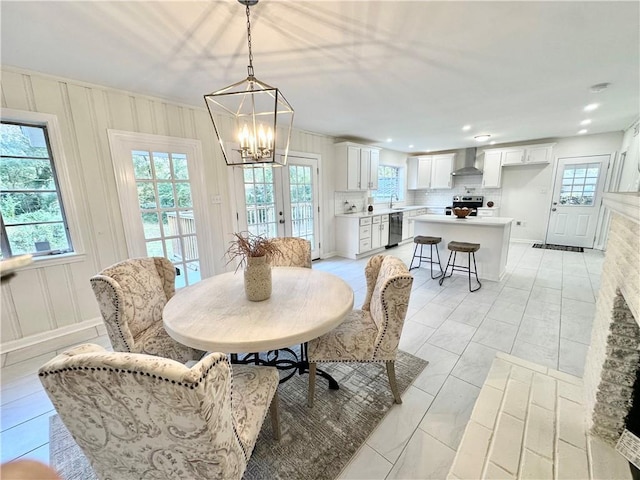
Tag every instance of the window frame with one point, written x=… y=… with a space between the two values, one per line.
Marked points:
x=62 y=179
x=400 y=186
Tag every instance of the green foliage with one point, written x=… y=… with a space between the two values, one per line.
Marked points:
x=18 y=205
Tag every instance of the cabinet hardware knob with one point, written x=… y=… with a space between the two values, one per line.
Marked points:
x=553 y=209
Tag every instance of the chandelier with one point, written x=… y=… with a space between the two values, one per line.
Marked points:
x=262 y=117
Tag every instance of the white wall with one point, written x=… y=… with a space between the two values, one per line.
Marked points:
x=527 y=190
x=630 y=178
x=49 y=297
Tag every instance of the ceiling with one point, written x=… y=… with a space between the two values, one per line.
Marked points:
x=415 y=72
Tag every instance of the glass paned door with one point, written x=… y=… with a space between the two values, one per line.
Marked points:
x=260 y=201
x=161 y=192
x=281 y=201
x=301 y=199
x=166 y=210
x=573 y=216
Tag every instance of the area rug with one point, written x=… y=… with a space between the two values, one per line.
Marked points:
x=316 y=443
x=564 y=248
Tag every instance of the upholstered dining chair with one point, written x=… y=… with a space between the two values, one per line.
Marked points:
x=131 y=295
x=295 y=252
x=140 y=416
x=371 y=334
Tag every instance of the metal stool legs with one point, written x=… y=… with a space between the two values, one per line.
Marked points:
x=422 y=258
x=462 y=269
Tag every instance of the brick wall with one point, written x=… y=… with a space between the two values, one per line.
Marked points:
x=613 y=353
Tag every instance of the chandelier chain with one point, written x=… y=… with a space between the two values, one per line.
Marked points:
x=250 y=67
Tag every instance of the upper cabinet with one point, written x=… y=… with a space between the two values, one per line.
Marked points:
x=430 y=171
x=419 y=172
x=492 y=170
x=358 y=166
x=525 y=155
x=441 y=168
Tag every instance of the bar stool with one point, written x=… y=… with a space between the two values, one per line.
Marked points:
x=463 y=247
x=422 y=241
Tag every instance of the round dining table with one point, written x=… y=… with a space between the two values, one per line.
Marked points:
x=215 y=315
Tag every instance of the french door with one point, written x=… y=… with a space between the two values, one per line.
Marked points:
x=280 y=201
x=578 y=187
x=161 y=200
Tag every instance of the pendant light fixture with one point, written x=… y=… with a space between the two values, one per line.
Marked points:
x=262 y=117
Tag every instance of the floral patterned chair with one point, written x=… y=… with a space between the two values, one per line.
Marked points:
x=141 y=416
x=373 y=333
x=131 y=296
x=296 y=252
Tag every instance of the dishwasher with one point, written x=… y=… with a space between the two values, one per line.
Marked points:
x=395 y=229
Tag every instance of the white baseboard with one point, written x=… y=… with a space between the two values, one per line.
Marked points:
x=28 y=347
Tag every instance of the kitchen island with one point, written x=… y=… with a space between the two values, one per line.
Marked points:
x=492 y=233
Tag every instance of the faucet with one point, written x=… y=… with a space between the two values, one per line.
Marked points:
x=391 y=200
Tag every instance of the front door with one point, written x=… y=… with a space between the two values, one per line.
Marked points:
x=576 y=201
x=280 y=201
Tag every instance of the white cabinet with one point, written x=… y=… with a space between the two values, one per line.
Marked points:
x=358 y=167
x=441 y=168
x=488 y=212
x=429 y=171
x=364 y=235
x=492 y=170
x=525 y=155
x=419 y=173
x=408 y=222
x=357 y=235
x=513 y=157
x=538 y=154
x=379 y=231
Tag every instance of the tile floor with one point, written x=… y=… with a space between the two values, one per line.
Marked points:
x=541 y=312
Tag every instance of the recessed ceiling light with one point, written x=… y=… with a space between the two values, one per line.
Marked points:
x=389 y=140
x=466 y=128
x=410 y=146
x=492 y=142
x=599 y=87
x=585 y=122
x=482 y=138
x=582 y=132
x=591 y=107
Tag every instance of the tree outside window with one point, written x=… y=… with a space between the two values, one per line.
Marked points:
x=32 y=215
x=389 y=184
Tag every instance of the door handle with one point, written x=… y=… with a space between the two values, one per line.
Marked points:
x=282 y=221
x=553 y=209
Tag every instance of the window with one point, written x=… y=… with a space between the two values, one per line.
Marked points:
x=32 y=213
x=579 y=183
x=389 y=184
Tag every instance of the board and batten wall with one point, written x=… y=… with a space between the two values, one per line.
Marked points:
x=50 y=304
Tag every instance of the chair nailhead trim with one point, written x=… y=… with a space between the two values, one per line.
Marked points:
x=124 y=341
x=135 y=372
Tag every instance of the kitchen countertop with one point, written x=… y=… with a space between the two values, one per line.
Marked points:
x=382 y=211
x=477 y=221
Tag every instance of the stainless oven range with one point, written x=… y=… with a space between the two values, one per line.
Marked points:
x=472 y=202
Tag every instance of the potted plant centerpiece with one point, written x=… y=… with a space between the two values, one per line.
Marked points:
x=255 y=253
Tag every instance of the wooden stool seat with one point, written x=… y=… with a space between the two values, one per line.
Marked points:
x=463 y=247
x=425 y=240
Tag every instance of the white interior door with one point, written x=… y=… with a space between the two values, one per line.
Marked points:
x=280 y=201
x=159 y=181
x=577 y=192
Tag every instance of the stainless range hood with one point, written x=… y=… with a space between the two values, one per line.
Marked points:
x=471 y=165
